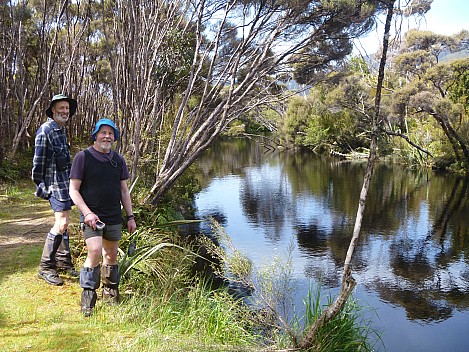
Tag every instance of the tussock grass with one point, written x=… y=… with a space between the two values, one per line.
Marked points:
x=349 y=331
x=39 y=317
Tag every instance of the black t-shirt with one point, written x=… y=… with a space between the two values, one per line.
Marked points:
x=100 y=186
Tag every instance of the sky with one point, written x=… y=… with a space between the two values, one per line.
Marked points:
x=445 y=17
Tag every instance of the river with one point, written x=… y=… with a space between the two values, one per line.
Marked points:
x=410 y=263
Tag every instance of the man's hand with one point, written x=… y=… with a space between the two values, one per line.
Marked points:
x=131 y=225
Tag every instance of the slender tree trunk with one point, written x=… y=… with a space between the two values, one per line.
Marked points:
x=50 y=60
x=348 y=282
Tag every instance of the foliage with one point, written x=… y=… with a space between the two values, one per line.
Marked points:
x=424 y=105
x=193 y=319
x=272 y=287
x=173 y=75
x=349 y=331
x=426 y=135
x=236 y=128
x=293 y=127
x=318 y=122
x=434 y=89
x=164 y=306
x=459 y=90
x=12 y=170
x=323 y=53
x=143 y=268
x=176 y=204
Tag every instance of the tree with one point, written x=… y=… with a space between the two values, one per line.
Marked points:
x=269 y=38
x=173 y=75
x=43 y=53
x=348 y=282
x=432 y=86
x=146 y=70
x=26 y=69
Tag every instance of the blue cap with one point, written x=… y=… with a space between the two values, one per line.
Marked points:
x=107 y=122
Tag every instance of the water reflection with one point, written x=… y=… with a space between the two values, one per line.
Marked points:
x=414 y=237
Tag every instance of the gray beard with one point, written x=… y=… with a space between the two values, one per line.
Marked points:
x=60 y=118
x=104 y=147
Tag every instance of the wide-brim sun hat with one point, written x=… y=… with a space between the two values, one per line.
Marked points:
x=59 y=97
x=107 y=122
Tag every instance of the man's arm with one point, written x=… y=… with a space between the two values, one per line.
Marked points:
x=40 y=158
x=90 y=217
x=127 y=204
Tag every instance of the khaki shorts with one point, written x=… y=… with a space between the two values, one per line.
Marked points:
x=110 y=232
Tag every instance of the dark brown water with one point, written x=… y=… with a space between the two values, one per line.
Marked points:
x=410 y=264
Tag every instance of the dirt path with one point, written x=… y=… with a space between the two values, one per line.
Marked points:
x=24 y=218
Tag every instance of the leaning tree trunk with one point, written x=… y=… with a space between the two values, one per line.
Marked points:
x=348 y=282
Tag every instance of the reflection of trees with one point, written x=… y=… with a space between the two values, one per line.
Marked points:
x=401 y=191
x=420 y=225
x=229 y=157
x=337 y=184
x=423 y=266
x=312 y=239
x=321 y=245
x=419 y=305
x=266 y=201
x=414 y=267
x=423 y=276
x=456 y=200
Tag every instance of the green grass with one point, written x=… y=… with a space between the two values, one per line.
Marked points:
x=39 y=317
x=349 y=331
x=35 y=316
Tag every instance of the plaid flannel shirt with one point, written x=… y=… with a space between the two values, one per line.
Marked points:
x=50 y=143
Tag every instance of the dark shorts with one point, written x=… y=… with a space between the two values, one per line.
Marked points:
x=58 y=205
x=110 y=232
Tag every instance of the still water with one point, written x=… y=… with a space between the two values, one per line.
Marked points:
x=410 y=264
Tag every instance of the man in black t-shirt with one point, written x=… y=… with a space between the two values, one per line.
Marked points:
x=98 y=187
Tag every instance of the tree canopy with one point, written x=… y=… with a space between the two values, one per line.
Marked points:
x=173 y=75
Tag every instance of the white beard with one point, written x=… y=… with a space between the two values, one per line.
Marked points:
x=60 y=118
x=105 y=146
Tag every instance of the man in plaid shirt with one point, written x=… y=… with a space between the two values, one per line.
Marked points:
x=50 y=173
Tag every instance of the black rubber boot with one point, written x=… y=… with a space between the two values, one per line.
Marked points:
x=88 y=301
x=111 y=278
x=48 y=265
x=64 y=258
x=89 y=281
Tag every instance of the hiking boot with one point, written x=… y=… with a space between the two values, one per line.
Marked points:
x=71 y=272
x=110 y=295
x=88 y=301
x=111 y=278
x=51 y=277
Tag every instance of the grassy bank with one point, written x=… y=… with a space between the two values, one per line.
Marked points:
x=39 y=317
